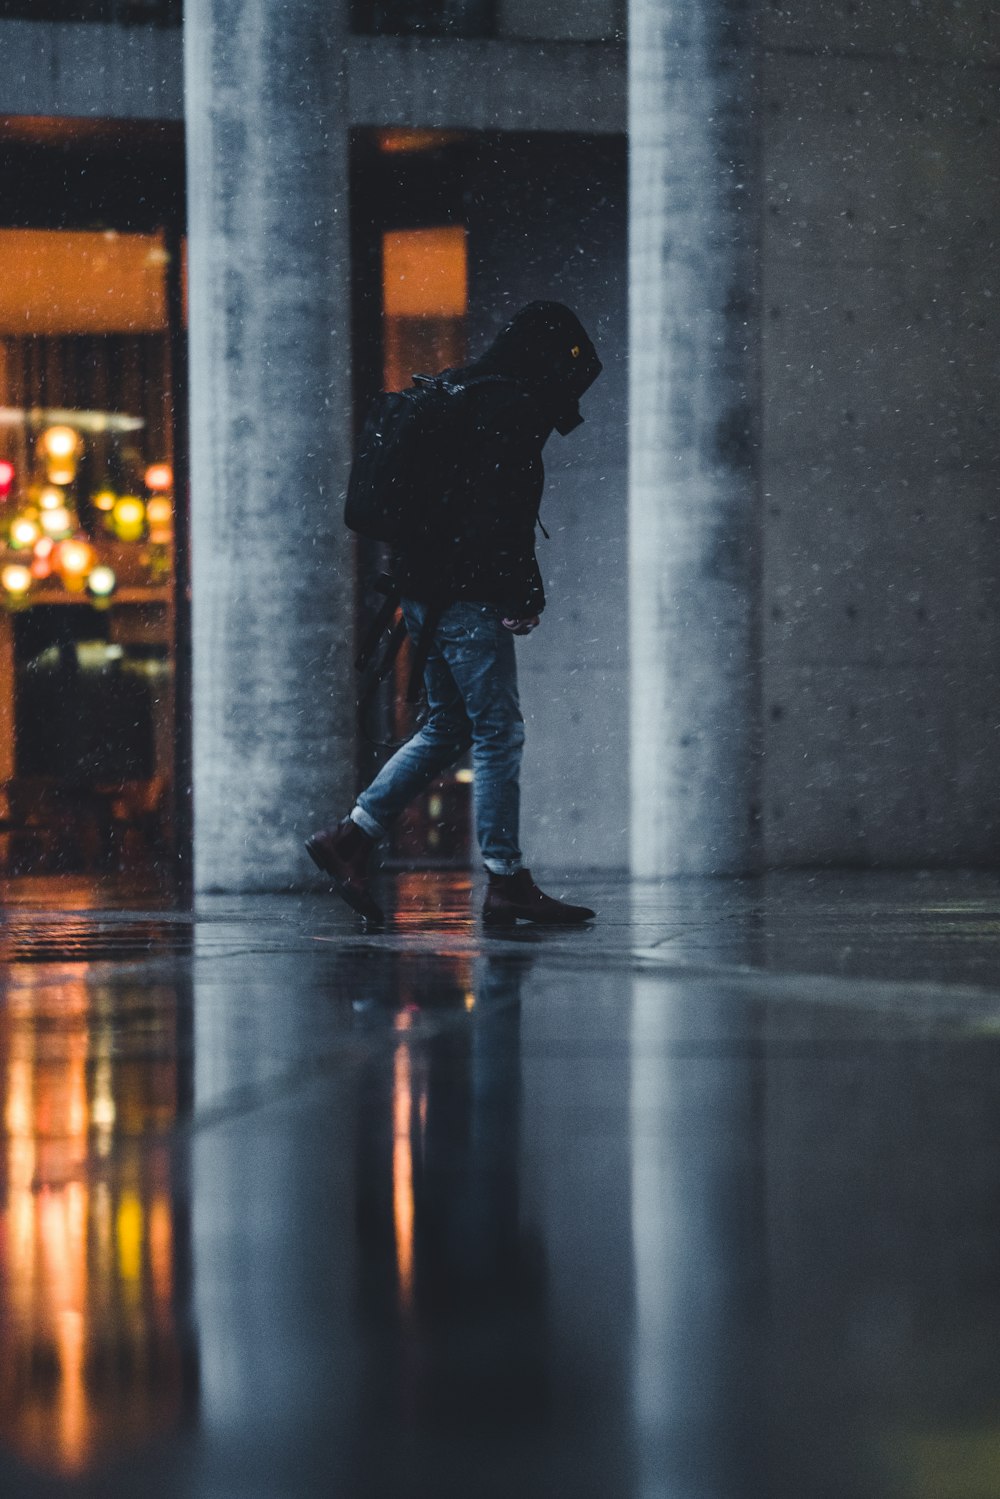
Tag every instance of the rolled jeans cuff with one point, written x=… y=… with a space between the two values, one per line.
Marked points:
x=504 y=866
x=367 y=824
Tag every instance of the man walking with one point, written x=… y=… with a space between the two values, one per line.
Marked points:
x=466 y=589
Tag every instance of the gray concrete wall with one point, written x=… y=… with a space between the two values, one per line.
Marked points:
x=550 y=220
x=90 y=70
x=881 y=451
x=584 y=20
x=136 y=72
x=487 y=85
x=270 y=380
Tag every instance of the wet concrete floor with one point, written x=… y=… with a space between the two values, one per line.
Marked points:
x=699 y=1201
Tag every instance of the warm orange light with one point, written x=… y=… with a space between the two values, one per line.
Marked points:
x=425 y=272
x=74 y=559
x=59 y=443
x=159 y=476
x=57 y=523
x=129 y=516
x=159 y=511
x=395 y=141
x=43 y=546
x=104 y=500
x=51 y=498
x=80 y=281
x=16 y=579
x=23 y=532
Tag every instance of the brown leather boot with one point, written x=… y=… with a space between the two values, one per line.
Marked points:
x=516 y=897
x=343 y=853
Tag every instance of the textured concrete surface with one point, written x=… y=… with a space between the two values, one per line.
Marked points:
x=488 y=85
x=585 y=20
x=881 y=152
x=702 y=1199
x=90 y=70
x=693 y=403
x=272 y=565
x=558 y=82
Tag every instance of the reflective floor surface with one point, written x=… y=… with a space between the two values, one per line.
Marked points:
x=700 y=1202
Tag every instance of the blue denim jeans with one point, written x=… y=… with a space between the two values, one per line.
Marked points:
x=471 y=681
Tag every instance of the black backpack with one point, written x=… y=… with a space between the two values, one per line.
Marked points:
x=406 y=478
x=407 y=462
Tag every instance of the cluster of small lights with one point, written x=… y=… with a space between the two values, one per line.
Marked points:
x=46 y=527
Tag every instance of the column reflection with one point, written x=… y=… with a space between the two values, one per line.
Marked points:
x=697 y=1211
x=95 y=1349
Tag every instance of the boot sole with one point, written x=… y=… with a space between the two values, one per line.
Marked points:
x=509 y=919
x=363 y=904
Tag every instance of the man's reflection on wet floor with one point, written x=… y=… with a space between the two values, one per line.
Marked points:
x=96 y=1353
x=452 y=1278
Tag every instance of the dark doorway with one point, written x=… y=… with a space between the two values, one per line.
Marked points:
x=94 y=753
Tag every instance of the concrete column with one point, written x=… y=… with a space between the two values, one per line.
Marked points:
x=693 y=404
x=270 y=380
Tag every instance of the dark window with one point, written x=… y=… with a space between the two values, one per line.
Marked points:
x=424 y=17
x=126 y=12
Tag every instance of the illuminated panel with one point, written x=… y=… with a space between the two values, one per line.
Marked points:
x=425 y=273
x=81 y=282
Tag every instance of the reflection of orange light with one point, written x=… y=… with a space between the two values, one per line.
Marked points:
x=85 y=1269
x=161 y=1251
x=424 y=272
x=402 y=1172
x=129 y=1234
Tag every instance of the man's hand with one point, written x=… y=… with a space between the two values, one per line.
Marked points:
x=522 y=626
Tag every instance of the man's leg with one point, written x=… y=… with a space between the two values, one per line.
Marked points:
x=344 y=852
x=439 y=742
x=479 y=652
x=479 y=655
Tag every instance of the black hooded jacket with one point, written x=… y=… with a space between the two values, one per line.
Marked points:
x=528 y=382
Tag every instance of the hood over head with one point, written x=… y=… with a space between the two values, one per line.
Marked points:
x=546 y=347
